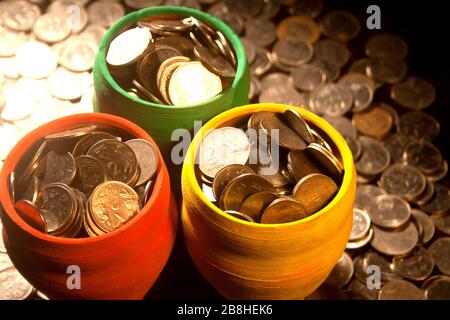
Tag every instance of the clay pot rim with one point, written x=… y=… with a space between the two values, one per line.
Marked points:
x=133 y=17
x=347 y=159
x=79 y=119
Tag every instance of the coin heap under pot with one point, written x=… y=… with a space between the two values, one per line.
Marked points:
x=86 y=181
x=280 y=170
x=172 y=62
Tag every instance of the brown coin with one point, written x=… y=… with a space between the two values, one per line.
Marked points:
x=437 y=288
x=117 y=158
x=242 y=187
x=90 y=172
x=275 y=172
x=326 y=159
x=182 y=44
x=283 y=210
x=404 y=181
x=113 y=204
x=282 y=134
x=301 y=165
x=85 y=143
x=427 y=194
x=298 y=124
x=423 y=155
x=397 y=242
x=342 y=272
x=57 y=168
x=424 y=224
x=357 y=244
x=442 y=222
x=225 y=175
x=255 y=204
x=440 y=251
x=417 y=266
x=147 y=158
x=400 y=290
x=214 y=62
x=240 y=215
x=376 y=122
x=440 y=203
x=314 y=191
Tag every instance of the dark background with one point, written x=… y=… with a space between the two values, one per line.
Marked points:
x=424 y=25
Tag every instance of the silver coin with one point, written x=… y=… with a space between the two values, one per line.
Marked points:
x=387 y=71
x=417 y=266
x=142 y=4
x=105 y=12
x=20 y=15
x=250 y=50
x=67 y=85
x=403 y=181
x=424 y=224
x=280 y=94
x=308 y=77
x=310 y=8
x=299 y=125
x=342 y=272
x=343 y=125
x=332 y=99
x=292 y=52
x=388 y=211
x=261 y=32
x=395 y=242
x=423 y=155
x=362 y=93
x=255 y=88
x=332 y=51
x=245 y=8
x=35 y=60
x=275 y=79
x=363 y=66
x=262 y=63
x=147 y=158
x=361 y=225
x=419 y=125
x=77 y=54
x=372 y=258
x=51 y=28
x=414 y=93
x=394 y=114
x=220 y=11
x=355 y=147
x=395 y=144
x=440 y=251
x=10 y=41
x=374 y=158
x=400 y=290
x=75 y=14
x=331 y=70
x=358 y=244
x=13 y=286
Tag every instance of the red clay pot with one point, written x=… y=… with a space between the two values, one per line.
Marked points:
x=122 y=264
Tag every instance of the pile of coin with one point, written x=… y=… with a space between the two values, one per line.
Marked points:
x=84 y=181
x=280 y=170
x=172 y=62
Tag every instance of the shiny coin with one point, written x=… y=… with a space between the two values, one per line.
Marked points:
x=396 y=242
x=332 y=71
x=105 y=12
x=51 y=28
x=281 y=95
x=255 y=204
x=68 y=136
x=437 y=288
x=308 y=77
x=90 y=172
x=414 y=93
x=283 y=210
x=214 y=62
x=57 y=168
x=20 y=15
x=441 y=174
x=374 y=158
x=326 y=159
x=86 y=142
x=301 y=165
x=113 y=204
x=387 y=71
x=375 y=122
x=386 y=46
x=332 y=99
x=262 y=63
x=242 y=187
x=277 y=130
x=165 y=72
x=163 y=26
x=31 y=215
x=362 y=88
x=355 y=147
x=255 y=119
x=340 y=25
x=299 y=125
x=342 y=272
x=426 y=195
x=192 y=83
x=388 y=211
x=419 y=125
x=361 y=225
x=440 y=203
x=440 y=251
x=222 y=147
x=13 y=286
x=359 y=291
x=10 y=41
x=364 y=67
x=423 y=155
x=225 y=175
x=32 y=190
x=261 y=32
x=147 y=159
x=298 y=27
x=334 y=52
x=128 y=46
x=240 y=215
x=67 y=85
x=442 y=222
x=343 y=126
x=246 y=8
x=292 y=52
x=314 y=192
x=183 y=45
x=424 y=224
x=35 y=60
x=396 y=144
x=400 y=290
x=417 y=266
x=117 y=158
x=404 y=181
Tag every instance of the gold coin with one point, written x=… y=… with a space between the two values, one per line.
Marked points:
x=192 y=83
x=375 y=122
x=299 y=27
x=240 y=188
x=283 y=210
x=255 y=204
x=113 y=204
x=314 y=191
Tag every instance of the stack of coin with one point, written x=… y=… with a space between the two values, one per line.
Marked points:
x=172 y=62
x=280 y=170
x=85 y=176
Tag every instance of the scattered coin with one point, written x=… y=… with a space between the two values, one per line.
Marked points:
x=308 y=77
x=390 y=212
x=395 y=242
x=375 y=122
x=374 y=158
x=342 y=272
x=340 y=25
x=419 y=125
x=13 y=286
x=442 y=222
x=400 y=290
x=361 y=225
x=35 y=60
x=334 y=52
x=423 y=155
x=440 y=203
x=417 y=266
x=386 y=46
x=299 y=27
x=413 y=93
x=332 y=99
x=404 y=181
x=437 y=288
x=424 y=224
x=440 y=251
